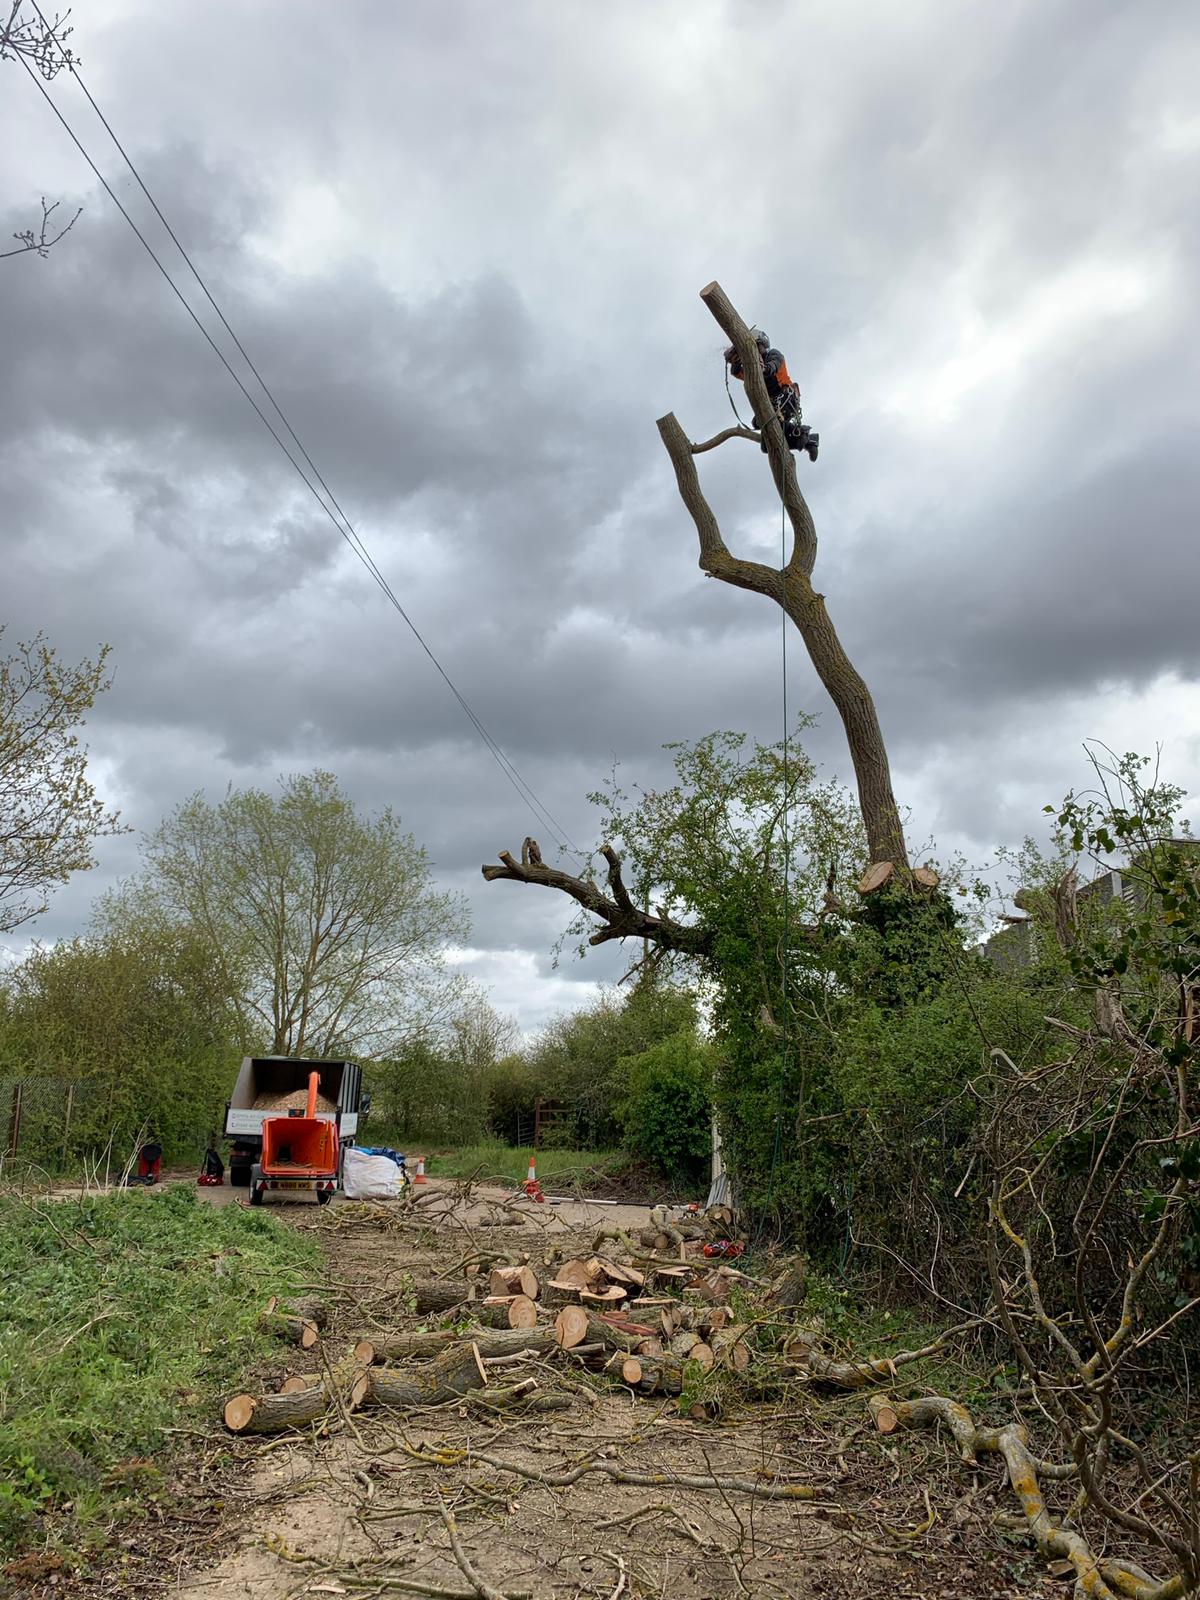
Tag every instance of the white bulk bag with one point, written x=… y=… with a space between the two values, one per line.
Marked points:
x=367 y=1177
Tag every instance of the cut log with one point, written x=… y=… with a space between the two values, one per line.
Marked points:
x=631 y=1371
x=671 y=1277
x=629 y=1276
x=615 y=1295
x=649 y=1347
x=559 y=1293
x=683 y=1342
x=514 y=1280
x=730 y=1349
x=298 y=1384
x=887 y=1418
x=440 y=1294
x=346 y=1385
x=661 y=1377
x=296 y=1330
x=309 y=1307
x=522 y=1312
x=926 y=877
x=702 y=1355
x=876 y=875
x=574 y=1272
x=712 y=1319
x=713 y=1287
x=448 y=1376
x=571 y=1327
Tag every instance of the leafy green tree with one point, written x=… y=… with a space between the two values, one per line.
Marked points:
x=139 y=1022
x=666 y=1106
x=436 y=1086
x=324 y=925
x=50 y=817
x=576 y=1060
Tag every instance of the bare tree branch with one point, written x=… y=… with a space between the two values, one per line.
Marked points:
x=40 y=243
x=621 y=918
x=37 y=40
x=726 y=433
x=791 y=587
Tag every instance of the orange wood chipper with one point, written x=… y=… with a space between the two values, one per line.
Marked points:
x=299 y=1152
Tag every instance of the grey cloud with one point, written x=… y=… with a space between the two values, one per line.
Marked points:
x=464 y=247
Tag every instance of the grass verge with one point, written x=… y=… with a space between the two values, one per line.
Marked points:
x=122 y=1318
x=590 y=1169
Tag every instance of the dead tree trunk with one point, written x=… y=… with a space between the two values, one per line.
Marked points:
x=791 y=587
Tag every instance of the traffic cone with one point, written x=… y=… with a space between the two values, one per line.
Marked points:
x=531 y=1175
x=420 y=1177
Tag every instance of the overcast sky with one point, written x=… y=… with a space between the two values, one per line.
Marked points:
x=463 y=243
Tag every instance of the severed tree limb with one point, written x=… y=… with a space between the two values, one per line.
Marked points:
x=478 y=1582
x=791 y=587
x=761 y=1488
x=621 y=918
x=1101 y=1579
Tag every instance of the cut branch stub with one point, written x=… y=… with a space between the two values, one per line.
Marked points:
x=876 y=875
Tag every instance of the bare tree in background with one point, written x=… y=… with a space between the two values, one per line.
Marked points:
x=325 y=924
x=40 y=46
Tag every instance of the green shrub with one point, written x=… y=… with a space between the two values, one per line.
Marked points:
x=666 y=1106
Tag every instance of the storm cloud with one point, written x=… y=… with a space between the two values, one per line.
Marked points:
x=463 y=246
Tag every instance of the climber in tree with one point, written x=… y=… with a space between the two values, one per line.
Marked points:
x=785 y=395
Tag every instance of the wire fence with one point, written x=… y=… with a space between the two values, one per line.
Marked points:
x=55 y=1124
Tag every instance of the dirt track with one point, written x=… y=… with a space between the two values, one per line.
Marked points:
x=354 y=1511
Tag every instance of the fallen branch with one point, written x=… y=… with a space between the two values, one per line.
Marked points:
x=1100 y=1579
x=345 y=1385
x=760 y=1488
x=479 y=1583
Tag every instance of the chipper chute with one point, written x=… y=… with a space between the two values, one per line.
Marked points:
x=299 y=1152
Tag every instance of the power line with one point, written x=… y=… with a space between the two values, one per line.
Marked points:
x=340 y=521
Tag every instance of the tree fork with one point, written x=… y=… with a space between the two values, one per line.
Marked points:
x=791 y=587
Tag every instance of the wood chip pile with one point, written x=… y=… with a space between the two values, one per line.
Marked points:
x=290 y=1100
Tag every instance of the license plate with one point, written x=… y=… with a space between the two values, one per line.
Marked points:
x=286 y=1183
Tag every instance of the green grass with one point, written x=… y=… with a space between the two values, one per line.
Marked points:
x=509 y=1164
x=122 y=1318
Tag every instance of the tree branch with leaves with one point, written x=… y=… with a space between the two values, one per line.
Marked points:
x=50 y=816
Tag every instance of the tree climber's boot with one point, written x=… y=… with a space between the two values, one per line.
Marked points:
x=812 y=444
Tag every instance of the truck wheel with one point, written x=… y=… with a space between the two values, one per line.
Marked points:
x=239 y=1174
x=324 y=1196
x=255 y=1181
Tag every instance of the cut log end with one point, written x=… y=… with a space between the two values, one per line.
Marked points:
x=310 y=1335
x=570 y=1327
x=876 y=875
x=240 y=1410
x=522 y=1312
x=364 y=1353
x=926 y=877
x=887 y=1419
x=631 y=1371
